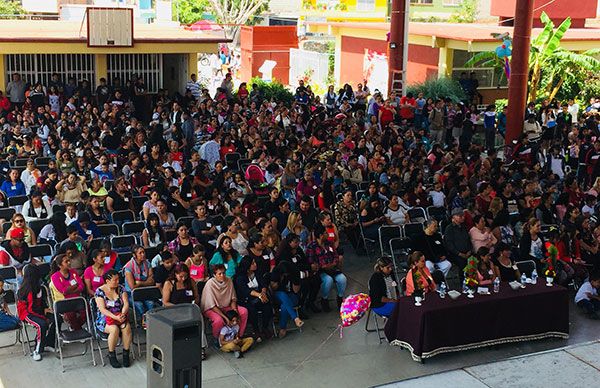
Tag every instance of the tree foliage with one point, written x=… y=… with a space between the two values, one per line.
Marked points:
x=234 y=13
x=190 y=11
x=439 y=88
x=554 y=72
x=11 y=7
x=467 y=12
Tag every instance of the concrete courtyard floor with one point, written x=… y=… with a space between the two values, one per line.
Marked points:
x=318 y=357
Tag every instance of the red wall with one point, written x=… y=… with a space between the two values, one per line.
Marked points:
x=422 y=60
x=259 y=43
x=578 y=10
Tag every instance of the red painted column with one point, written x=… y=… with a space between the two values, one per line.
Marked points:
x=519 y=70
x=398 y=41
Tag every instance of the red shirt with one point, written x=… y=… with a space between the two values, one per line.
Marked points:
x=405 y=112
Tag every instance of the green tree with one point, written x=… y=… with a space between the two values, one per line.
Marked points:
x=467 y=12
x=190 y=11
x=552 y=68
x=10 y=7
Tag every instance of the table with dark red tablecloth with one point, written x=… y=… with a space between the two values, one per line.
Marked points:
x=446 y=325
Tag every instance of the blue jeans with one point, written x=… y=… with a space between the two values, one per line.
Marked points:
x=288 y=301
x=385 y=310
x=327 y=283
x=142 y=308
x=8 y=322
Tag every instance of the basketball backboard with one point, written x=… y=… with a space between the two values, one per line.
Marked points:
x=109 y=27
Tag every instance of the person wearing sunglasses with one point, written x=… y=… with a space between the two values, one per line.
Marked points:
x=18 y=222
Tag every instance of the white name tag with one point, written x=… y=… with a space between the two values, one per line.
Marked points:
x=294 y=260
x=266 y=257
x=332 y=234
x=194 y=272
x=314 y=187
x=189 y=195
x=208 y=225
x=97 y=279
x=126 y=199
x=394 y=284
x=88 y=232
x=106 y=259
x=189 y=293
x=73 y=282
x=110 y=303
x=13 y=187
x=438 y=242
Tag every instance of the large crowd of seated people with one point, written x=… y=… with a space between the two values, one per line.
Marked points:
x=247 y=206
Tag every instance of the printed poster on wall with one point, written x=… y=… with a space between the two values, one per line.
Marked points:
x=375 y=70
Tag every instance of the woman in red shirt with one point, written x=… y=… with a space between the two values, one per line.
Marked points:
x=227 y=147
x=386 y=114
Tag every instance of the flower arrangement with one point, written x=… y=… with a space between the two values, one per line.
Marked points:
x=417 y=282
x=470 y=271
x=550 y=270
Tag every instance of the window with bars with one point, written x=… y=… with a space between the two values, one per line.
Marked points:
x=40 y=67
x=421 y=1
x=147 y=66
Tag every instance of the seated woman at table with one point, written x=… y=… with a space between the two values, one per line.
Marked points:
x=487 y=271
x=506 y=266
x=416 y=262
x=383 y=288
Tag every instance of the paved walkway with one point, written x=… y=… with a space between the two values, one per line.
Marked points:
x=318 y=357
x=576 y=366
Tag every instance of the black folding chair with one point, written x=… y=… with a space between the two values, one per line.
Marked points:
x=41 y=250
x=108 y=230
x=59 y=208
x=42 y=160
x=138 y=203
x=437 y=213
x=37 y=225
x=9 y=274
x=135 y=228
x=20 y=162
x=400 y=248
x=122 y=216
x=386 y=233
x=6 y=226
x=187 y=221
x=82 y=335
x=417 y=214
x=96 y=242
x=142 y=294
x=123 y=243
x=151 y=252
x=526 y=267
x=412 y=230
x=10 y=299
x=7 y=213
x=18 y=200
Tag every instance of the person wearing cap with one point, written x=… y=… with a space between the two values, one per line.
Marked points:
x=457 y=241
x=37 y=208
x=14 y=251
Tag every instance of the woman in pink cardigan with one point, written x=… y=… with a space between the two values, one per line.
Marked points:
x=65 y=283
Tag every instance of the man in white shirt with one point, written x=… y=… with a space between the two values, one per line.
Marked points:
x=573 y=109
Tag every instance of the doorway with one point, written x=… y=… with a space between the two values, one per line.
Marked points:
x=175 y=73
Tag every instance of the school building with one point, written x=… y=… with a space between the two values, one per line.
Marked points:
x=164 y=55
